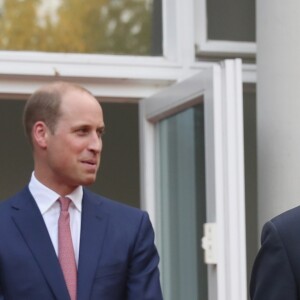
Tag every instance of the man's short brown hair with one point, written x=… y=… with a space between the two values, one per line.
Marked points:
x=44 y=105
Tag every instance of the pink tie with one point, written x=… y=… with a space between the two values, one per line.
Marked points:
x=66 y=254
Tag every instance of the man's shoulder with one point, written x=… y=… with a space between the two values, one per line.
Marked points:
x=286 y=223
x=111 y=206
x=291 y=215
x=12 y=204
x=14 y=199
x=121 y=215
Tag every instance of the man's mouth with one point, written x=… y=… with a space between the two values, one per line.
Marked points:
x=90 y=162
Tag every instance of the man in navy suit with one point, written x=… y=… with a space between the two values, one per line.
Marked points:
x=114 y=250
x=276 y=270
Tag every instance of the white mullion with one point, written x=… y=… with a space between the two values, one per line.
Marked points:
x=147 y=163
x=178 y=33
x=186 y=33
x=170 y=30
x=230 y=170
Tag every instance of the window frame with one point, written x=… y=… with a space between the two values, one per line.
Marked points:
x=217 y=47
x=221 y=89
x=115 y=78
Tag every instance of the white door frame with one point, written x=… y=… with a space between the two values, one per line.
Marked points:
x=221 y=87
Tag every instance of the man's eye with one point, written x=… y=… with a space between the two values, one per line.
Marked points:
x=100 y=133
x=82 y=131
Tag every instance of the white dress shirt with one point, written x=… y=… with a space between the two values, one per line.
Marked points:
x=46 y=200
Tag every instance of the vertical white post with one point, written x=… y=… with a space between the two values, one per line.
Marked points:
x=230 y=191
x=278 y=107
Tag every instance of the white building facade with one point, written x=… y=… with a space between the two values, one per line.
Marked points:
x=214 y=141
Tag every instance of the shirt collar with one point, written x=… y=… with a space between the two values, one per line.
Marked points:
x=46 y=197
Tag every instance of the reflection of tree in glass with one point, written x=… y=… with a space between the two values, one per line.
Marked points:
x=17 y=24
x=127 y=27
x=93 y=26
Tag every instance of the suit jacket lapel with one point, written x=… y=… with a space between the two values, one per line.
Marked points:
x=93 y=229
x=30 y=223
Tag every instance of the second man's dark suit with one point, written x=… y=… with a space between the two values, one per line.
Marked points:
x=276 y=271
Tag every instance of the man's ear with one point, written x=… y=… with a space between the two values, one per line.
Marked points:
x=40 y=133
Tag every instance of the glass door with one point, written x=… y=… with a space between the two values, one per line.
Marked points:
x=181 y=202
x=192 y=174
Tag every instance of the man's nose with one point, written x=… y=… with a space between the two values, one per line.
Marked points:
x=95 y=142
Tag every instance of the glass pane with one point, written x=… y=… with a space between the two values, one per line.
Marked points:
x=182 y=208
x=231 y=20
x=120 y=154
x=82 y=26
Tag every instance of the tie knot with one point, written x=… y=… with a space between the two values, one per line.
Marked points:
x=64 y=203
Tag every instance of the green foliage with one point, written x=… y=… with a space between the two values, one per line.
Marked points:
x=17 y=24
x=77 y=26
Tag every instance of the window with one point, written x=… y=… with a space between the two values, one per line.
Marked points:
x=78 y=26
x=225 y=28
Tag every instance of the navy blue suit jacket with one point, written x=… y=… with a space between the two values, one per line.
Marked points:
x=276 y=271
x=117 y=259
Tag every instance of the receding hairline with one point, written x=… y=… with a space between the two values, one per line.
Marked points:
x=62 y=87
x=57 y=91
